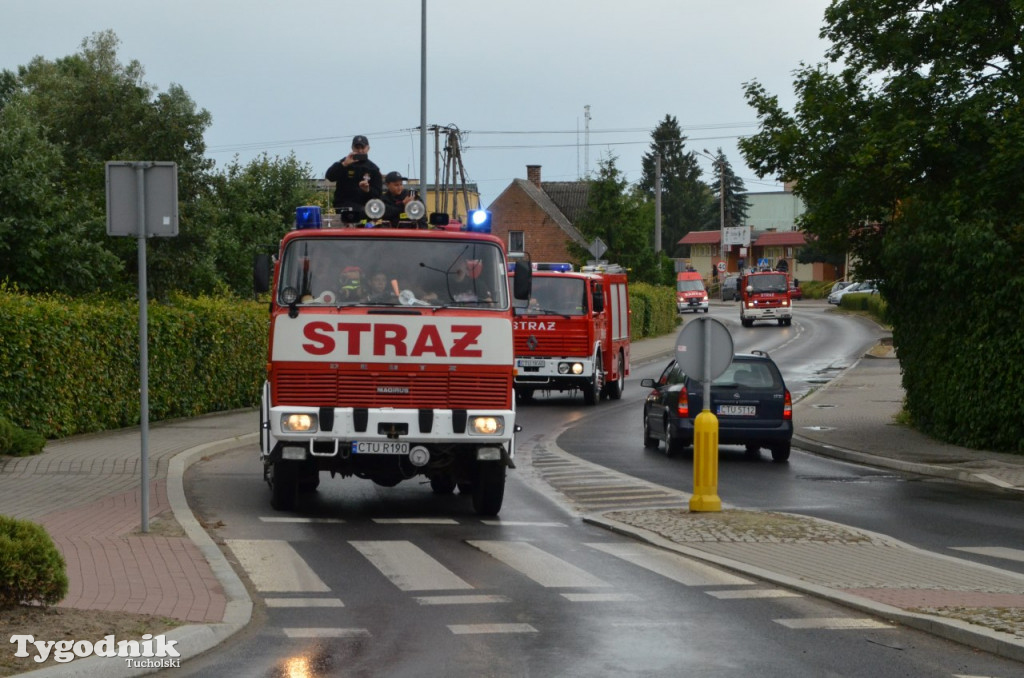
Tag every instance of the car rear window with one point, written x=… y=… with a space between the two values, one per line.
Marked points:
x=751 y=374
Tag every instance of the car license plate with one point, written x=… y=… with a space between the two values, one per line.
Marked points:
x=737 y=410
x=380 y=448
x=526 y=362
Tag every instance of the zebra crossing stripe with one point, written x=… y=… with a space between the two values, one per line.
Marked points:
x=464 y=629
x=599 y=597
x=462 y=600
x=409 y=567
x=740 y=594
x=274 y=566
x=540 y=566
x=303 y=602
x=833 y=623
x=326 y=633
x=672 y=565
x=415 y=521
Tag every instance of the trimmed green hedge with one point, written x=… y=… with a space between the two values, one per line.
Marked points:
x=654 y=310
x=71 y=366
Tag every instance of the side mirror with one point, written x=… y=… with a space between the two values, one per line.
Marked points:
x=647 y=383
x=261 y=268
x=598 y=301
x=522 y=282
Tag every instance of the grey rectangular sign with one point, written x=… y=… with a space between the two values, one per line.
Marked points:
x=159 y=191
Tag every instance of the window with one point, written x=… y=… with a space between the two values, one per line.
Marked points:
x=516 y=241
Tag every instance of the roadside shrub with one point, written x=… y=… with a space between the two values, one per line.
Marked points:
x=32 y=570
x=654 y=310
x=18 y=442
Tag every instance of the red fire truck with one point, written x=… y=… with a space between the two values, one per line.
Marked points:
x=573 y=333
x=764 y=295
x=390 y=357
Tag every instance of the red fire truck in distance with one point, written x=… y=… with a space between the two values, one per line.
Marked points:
x=764 y=295
x=390 y=357
x=573 y=333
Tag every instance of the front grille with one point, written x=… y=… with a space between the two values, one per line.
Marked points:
x=435 y=390
x=567 y=343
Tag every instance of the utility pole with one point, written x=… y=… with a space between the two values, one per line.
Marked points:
x=721 y=204
x=657 y=202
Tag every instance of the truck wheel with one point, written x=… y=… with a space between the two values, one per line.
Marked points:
x=614 y=388
x=284 y=486
x=489 y=488
x=442 y=484
x=747 y=322
x=592 y=389
x=525 y=395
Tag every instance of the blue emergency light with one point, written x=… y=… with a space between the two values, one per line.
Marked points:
x=307 y=216
x=553 y=266
x=479 y=221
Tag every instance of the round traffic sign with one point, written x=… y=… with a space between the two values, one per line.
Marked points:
x=721 y=267
x=698 y=337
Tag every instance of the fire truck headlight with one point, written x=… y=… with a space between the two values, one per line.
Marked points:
x=577 y=368
x=487 y=426
x=563 y=368
x=298 y=423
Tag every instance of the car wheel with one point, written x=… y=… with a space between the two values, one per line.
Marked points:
x=673 y=445
x=780 y=452
x=650 y=442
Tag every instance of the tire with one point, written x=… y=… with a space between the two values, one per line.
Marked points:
x=650 y=442
x=489 y=488
x=308 y=479
x=780 y=452
x=789 y=321
x=781 y=322
x=284 y=486
x=592 y=390
x=746 y=322
x=673 y=445
x=525 y=395
x=442 y=484
x=615 y=388
x=465 y=488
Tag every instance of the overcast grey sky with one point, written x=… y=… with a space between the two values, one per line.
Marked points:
x=513 y=75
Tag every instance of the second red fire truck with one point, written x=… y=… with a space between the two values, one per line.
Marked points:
x=573 y=333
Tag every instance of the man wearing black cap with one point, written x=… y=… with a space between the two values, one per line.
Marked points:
x=395 y=198
x=357 y=179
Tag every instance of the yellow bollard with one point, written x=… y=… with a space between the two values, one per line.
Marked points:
x=705 y=463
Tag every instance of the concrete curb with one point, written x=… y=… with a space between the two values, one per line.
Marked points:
x=994 y=642
x=192 y=639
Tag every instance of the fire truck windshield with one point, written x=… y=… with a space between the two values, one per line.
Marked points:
x=773 y=282
x=554 y=295
x=393 y=271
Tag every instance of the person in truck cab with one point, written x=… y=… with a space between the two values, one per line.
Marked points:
x=350 y=284
x=379 y=289
x=395 y=198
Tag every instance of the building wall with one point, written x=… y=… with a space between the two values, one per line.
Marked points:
x=544 y=240
x=776 y=211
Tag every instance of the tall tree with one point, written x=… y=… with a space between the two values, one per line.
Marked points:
x=912 y=153
x=735 y=203
x=624 y=221
x=686 y=201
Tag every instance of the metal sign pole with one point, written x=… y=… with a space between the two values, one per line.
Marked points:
x=140 y=179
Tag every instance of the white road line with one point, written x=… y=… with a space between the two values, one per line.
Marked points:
x=540 y=566
x=672 y=565
x=326 y=633
x=464 y=629
x=833 y=623
x=415 y=521
x=521 y=523
x=599 y=597
x=273 y=565
x=303 y=602
x=994 y=552
x=297 y=519
x=740 y=594
x=409 y=567
x=461 y=600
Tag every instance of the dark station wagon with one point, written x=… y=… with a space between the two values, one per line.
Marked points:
x=750 y=400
